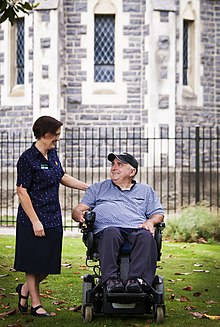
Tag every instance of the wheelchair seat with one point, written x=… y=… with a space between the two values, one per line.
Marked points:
x=125 y=248
x=95 y=298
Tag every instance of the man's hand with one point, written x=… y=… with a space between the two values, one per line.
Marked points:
x=148 y=225
x=80 y=218
x=78 y=212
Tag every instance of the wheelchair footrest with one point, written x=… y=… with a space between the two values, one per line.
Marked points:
x=125 y=303
x=125 y=297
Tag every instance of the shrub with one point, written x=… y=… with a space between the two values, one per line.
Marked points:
x=193 y=224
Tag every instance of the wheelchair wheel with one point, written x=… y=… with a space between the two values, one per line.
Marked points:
x=88 y=313
x=85 y=287
x=159 y=315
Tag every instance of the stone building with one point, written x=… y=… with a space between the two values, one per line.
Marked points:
x=152 y=64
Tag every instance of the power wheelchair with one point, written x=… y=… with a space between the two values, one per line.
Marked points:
x=95 y=298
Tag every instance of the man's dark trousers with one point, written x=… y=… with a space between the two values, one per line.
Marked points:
x=143 y=258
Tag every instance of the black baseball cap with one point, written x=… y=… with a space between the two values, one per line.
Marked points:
x=124 y=157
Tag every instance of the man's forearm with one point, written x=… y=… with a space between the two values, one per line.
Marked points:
x=156 y=219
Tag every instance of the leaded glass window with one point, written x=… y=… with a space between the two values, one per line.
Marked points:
x=185 y=51
x=20 y=51
x=104 y=51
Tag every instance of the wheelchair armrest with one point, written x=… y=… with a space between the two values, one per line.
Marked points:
x=158 y=238
x=87 y=230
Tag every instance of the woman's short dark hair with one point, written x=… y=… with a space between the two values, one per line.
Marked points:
x=44 y=125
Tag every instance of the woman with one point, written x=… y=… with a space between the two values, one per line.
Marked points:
x=39 y=223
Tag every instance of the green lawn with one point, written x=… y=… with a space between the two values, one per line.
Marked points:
x=192 y=266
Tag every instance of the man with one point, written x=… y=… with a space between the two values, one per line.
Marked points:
x=125 y=210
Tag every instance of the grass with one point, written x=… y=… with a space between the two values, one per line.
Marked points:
x=62 y=292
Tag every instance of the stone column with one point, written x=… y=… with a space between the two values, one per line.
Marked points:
x=46 y=83
x=160 y=44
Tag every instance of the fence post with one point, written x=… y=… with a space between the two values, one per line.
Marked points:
x=197 y=177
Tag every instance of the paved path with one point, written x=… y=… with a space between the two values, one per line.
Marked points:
x=7 y=231
x=11 y=231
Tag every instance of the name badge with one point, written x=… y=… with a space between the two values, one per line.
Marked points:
x=44 y=166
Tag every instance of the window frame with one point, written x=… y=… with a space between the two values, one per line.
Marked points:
x=104 y=93
x=188 y=71
x=185 y=51
x=13 y=94
x=192 y=91
x=15 y=88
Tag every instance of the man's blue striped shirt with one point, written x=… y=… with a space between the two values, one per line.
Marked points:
x=121 y=208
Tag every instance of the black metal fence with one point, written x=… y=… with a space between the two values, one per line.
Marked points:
x=183 y=169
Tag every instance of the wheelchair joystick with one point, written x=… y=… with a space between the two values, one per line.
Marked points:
x=89 y=217
x=87 y=230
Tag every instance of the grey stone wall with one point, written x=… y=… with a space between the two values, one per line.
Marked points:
x=20 y=118
x=16 y=120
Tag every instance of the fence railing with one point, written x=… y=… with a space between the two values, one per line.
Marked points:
x=184 y=169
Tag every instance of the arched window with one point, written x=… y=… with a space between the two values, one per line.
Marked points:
x=189 y=66
x=188 y=53
x=16 y=45
x=104 y=42
x=19 y=53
